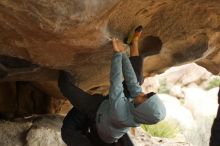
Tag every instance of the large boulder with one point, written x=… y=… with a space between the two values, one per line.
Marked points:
x=200 y=102
x=73 y=35
x=38 y=38
x=176 y=112
x=34 y=131
x=185 y=75
x=45 y=131
x=175 y=79
x=13 y=133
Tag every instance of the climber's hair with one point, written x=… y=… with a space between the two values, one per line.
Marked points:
x=148 y=95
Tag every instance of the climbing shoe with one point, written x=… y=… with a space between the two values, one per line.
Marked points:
x=134 y=33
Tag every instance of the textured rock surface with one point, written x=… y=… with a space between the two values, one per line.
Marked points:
x=34 y=131
x=13 y=134
x=39 y=37
x=45 y=131
x=73 y=35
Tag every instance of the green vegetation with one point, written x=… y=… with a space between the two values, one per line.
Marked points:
x=215 y=82
x=163 y=86
x=165 y=129
x=182 y=101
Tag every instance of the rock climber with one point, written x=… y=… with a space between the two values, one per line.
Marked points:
x=97 y=120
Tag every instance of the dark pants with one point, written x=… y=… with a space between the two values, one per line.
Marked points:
x=215 y=131
x=79 y=124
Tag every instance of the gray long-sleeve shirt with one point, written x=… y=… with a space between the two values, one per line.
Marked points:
x=117 y=114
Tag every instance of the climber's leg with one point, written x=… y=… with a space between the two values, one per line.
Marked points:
x=130 y=77
x=135 y=59
x=75 y=125
x=137 y=64
x=83 y=101
x=135 y=41
x=125 y=141
x=74 y=129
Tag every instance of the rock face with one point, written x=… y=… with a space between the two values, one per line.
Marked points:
x=13 y=134
x=207 y=105
x=45 y=131
x=35 y=131
x=175 y=79
x=177 y=112
x=37 y=38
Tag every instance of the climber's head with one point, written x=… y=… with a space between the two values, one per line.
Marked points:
x=149 y=109
x=142 y=97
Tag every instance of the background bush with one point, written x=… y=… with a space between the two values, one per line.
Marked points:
x=163 y=86
x=165 y=129
x=215 y=82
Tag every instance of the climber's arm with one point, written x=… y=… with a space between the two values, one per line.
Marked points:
x=65 y=83
x=116 y=88
x=137 y=65
x=76 y=96
x=130 y=77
